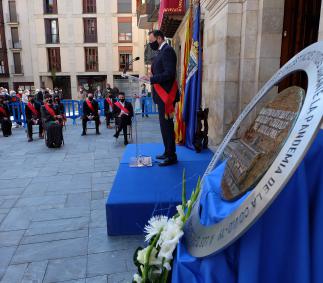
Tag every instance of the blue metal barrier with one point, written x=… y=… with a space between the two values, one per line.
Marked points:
x=17 y=111
x=73 y=109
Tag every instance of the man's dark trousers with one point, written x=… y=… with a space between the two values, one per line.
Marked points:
x=167 y=131
x=30 y=128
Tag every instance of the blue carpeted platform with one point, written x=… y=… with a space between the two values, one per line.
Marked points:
x=139 y=193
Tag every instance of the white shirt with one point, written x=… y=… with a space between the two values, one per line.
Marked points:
x=162 y=45
x=122 y=112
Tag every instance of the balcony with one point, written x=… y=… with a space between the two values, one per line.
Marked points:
x=52 y=38
x=17 y=69
x=153 y=8
x=143 y=16
x=90 y=38
x=171 y=13
x=12 y=19
x=14 y=44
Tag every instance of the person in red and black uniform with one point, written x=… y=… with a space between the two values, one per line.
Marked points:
x=90 y=112
x=61 y=109
x=33 y=117
x=49 y=112
x=5 y=122
x=123 y=112
x=109 y=105
x=165 y=92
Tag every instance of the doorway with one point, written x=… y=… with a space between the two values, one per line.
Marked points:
x=300 y=29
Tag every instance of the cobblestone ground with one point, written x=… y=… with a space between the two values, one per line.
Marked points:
x=52 y=208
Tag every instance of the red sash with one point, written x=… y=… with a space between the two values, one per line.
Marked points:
x=121 y=107
x=167 y=98
x=109 y=101
x=50 y=110
x=33 y=109
x=3 y=111
x=88 y=102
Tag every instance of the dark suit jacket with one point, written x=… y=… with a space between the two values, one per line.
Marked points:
x=87 y=111
x=46 y=117
x=164 y=71
x=30 y=114
x=6 y=108
x=106 y=104
x=127 y=105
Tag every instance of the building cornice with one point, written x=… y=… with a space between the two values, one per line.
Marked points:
x=215 y=6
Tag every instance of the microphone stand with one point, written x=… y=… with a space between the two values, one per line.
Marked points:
x=139 y=160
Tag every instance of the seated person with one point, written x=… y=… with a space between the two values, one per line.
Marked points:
x=90 y=112
x=51 y=122
x=5 y=122
x=49 y=113
x=33 y=117
x=61 y=109
x=123 y=111
x=108 y=108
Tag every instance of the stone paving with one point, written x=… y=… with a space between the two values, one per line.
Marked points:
x=52 y=208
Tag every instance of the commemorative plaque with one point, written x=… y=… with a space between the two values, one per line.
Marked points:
x=249 y=157
x=263 y=155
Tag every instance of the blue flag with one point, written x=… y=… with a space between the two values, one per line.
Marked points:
x=192 y=100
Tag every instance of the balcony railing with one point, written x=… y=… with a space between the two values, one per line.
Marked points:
x=52 y=38
x=12 y=18
x=14 y=44
x=90 y=38
x=152 y=9
x=142 y=16
x=17 y=69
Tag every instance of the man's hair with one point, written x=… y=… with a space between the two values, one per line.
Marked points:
x=121 y=93
x=157 y=33
x=47 y=95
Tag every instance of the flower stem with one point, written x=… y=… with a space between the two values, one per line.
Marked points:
x=184 y=191
x=147 y=257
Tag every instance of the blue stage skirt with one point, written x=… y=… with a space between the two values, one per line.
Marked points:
x=284 y=245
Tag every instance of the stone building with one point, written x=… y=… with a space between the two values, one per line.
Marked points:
x=244 y=43
x=58 y=43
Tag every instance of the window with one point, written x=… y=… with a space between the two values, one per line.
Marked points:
x=13 y=12
x=50 y=6
x=15 y=38
x=90 y=32
x=54 y=59
x=125 y=29
x=89 y=6
x=17 y=63
x=2 y=67
x=91 y=59
x=52 y=32
x=125 y=56
x=124 y=6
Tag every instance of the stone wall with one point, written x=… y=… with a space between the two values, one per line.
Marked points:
x=242 y=44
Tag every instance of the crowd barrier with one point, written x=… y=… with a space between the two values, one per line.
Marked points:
x=74 y=109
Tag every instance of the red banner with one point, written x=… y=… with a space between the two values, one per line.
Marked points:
x=33 y=109
x=50 y=110
x=170 y=7
x=122 y=108
x=88 y=102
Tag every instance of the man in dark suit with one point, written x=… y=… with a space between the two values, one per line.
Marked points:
x=90 y=112
x=123 y=112
x=33 y=117
x=165 y=92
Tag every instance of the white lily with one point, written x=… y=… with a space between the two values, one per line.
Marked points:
x=180 y=211
x=155 y=225
x=137 y=278
x=153 y=259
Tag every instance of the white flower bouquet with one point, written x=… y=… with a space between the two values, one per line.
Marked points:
x=162 y=235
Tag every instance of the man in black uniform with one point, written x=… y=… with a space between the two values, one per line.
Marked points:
x=5 y=122
x=165 y=92
x=33 y=117
x=90 y=112
x=123 y=112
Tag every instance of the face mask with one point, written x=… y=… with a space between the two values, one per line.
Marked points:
x=122 y=99
x=90 y=98
x=154 y=45
x=50 y=101
x=32 y=100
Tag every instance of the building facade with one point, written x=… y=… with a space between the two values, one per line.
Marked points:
x=68 y=44
x=244 y=43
